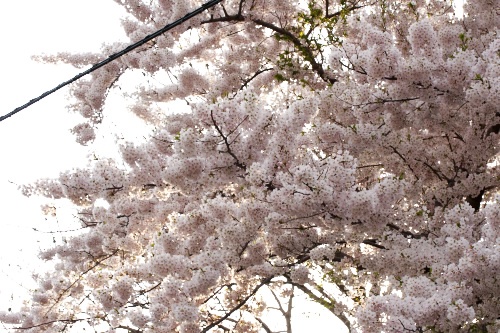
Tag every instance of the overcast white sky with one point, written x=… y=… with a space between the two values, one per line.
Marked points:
x=36 y=142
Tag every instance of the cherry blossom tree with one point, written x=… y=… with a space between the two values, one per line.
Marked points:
x=347 y=149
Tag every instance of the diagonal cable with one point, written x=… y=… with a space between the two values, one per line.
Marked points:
x=116 y=55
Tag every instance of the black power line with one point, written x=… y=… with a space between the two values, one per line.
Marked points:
x=117 y=55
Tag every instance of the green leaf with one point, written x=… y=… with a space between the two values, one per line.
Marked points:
x=279 y=77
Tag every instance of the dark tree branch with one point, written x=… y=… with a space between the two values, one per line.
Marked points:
x=242 y=302
x=329 y=305
x=305 y=49
x=130 y=329
x=247 y=81
x=70 y=321
x=288 y=313
x=434 y=171
x=408 y=234
x=142 y=292
x=79 y=278
x=373 y=242
x=56 y=232
x=383 y=101
x=404 y=160
x=229 y=151
x=240 y=8
x=243 y=248
x=309 y=56
x=280 y=307
x=216 y=292
x=354 y=7
x=264 y=326
x=370 y=166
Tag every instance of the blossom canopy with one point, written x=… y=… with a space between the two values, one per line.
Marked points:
x=347 y=149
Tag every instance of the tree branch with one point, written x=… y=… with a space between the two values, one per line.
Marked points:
x=373 y=242
x=408 y=234
x=243 y=302
x=306 y=50
x=70 y=321
x=338 y=13
x=79 y=278
x=247 y=81
x=309 y=56
x=404 y=160
x=264 y=326
x=130 y=329
x=330 y=306
x=237 y=163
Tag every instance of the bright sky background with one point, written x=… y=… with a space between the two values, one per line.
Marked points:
x=36 y=142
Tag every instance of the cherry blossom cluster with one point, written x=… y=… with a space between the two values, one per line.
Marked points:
x=348 y=149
